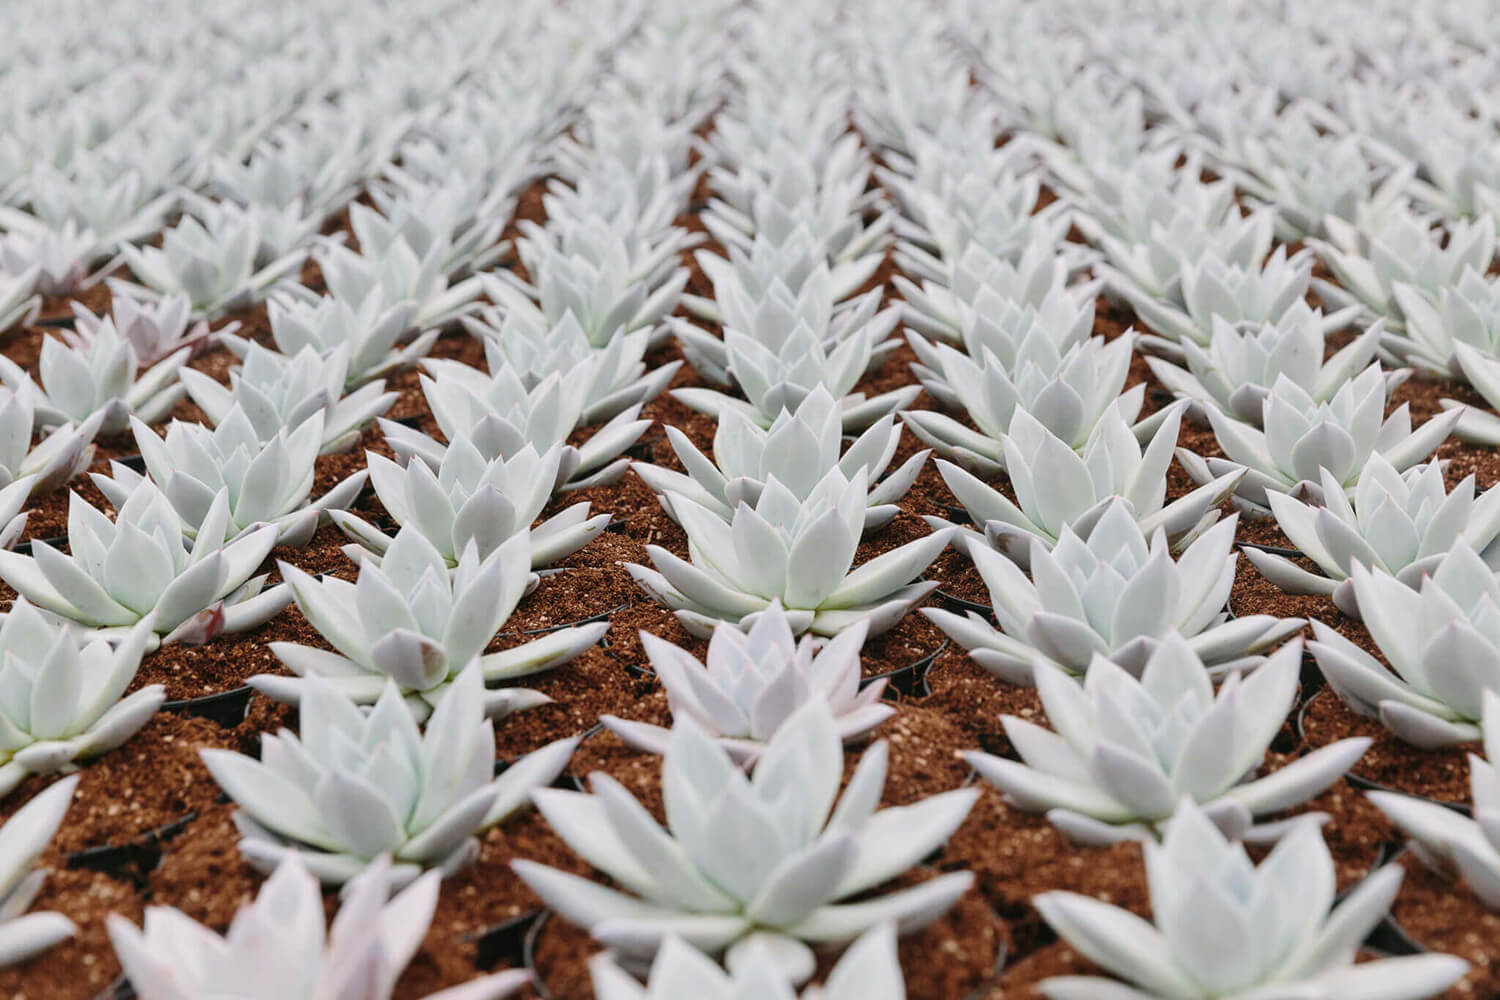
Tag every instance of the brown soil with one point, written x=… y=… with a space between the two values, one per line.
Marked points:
x=1443 y=916
x=1437 y=774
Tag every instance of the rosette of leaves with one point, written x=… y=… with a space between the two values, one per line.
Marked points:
x=1482 y=371
x=154 y=330
x=1448 y=841
x=62 y=700
x=868 y=970
x=1057 y=487
x=753 y=681
x=431 y=218
x=1303 y=439
x=276 y=392
x=1125 y=751
x=1240 y=364
x=1437 y=641
x=1399 y=524
x=1116 y=595
x=118 y=205
x=59 y=259
x=372 y=331
x=356 y=785
x=798 y=450
x=767 y=859
x=212 y=261
x=1448 y=326
x=500 y=414
x=23 y=838
x=977 y=283
x=19 y=302
x=268 y=482
x=411 y=619
x=1208 y=899
x=798 y=552
x=143 y=565
x=470 y=500
x=105 y=377
x=277 y=945
x=25 y=471
x=395 y=275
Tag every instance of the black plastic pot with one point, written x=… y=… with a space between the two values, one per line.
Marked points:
x=1389 y=936
x=504 y=944
x=120 y=989
x=909 y=681
x=585 y=620
x=226 y=708
x=1272 y=549
x=134 y=860
x=56 y=541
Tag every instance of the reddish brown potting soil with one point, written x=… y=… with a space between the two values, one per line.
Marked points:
x=1442 y=915
x=1441 y=774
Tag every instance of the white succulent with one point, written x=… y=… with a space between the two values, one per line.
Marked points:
x=140 y=565
x=798 y=450
x=105 y=377
x=412 y=620
x=1149 y=266
x=61 y=700
x=1439 y=323
x=1115 y=595
x=19 y=303
x=357 y=785
x=868 y=970
x=743 y=861
x=471 y=500
x=752 y=682
x=1238 y=366
x=1058 y=487
x=23 y=838
x=800 y=552
x=978 y=289
x=1400 y=524
x=1303 y=438
x=396 y=275
x=276 y=392
x=1208 y=901
x=1126 y=750
x=118 y=205
x=26 y=471
x=432 y=219
x=1442 y=643
x=998 y=213
x=370 y=329
x=277 y=947
x=212 y=261
x=60 y=258
x=155 y=330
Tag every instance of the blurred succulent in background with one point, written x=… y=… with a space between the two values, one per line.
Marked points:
x=395 y=275
x=19 y=303
x=277 y=945
x=868 y=970
x=154 y=330
x=412 y=620
x=800 y=552
x=798 y=450
x=1482 y=370
x=62 y=700
x=1148 y=266
x=276 y=392
x=1057 y=487
x=1240 y=364
x=1302 y=439
x=469 y=500
x=140 y=565
x=1442 y=320
x=1438 y=642
x=23 y=838
x=61 y=258
x=25 y=471
x=763 y=860
x=1400 y=524
x=1207 y=900
x=431 y=219
x=370 y=329
x=1115 y=595
x=753 y=681
x=355 y=785
x=1126 y=751
x=103 y=377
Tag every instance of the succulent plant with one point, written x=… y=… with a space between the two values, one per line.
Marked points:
x=1447 y=840
x=1207 y=899
x=395 y=275
x=1303 y=438
x=62 y=454
x=800 y=552
x=500 y=414
x=58 y=259
x=412 y=620
x=1116 y=595
x=1437 y=640
x=62 y=699
x=140 y=565
x=1400 y=524
x=356 y=785
x=276 y=392
x=212 y=261
x=1440 y=322
x=23 y=838
x=469 y=500
x=370 y=328
x=105 y=377
x=753 y=681
x=1236 y=370
x=749 y=860
x=154 y=330
x=1126 y=750
x=19 y=303
x=868 y=970
x=277 y=946
x=1482 y=371
x=1149 y=266
x=1058 y=487
x=432 y=219
x=798 y=450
